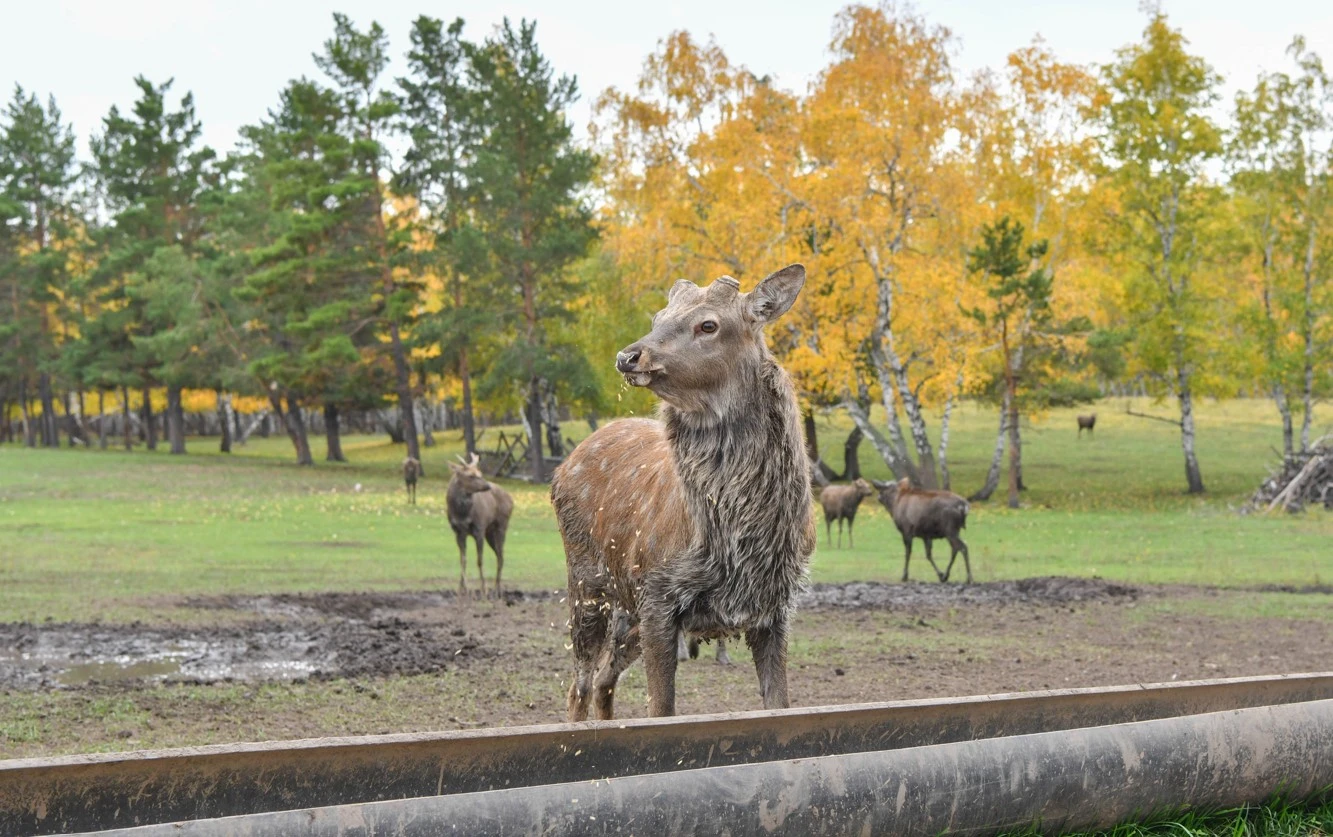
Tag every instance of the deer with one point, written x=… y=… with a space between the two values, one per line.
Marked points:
x=840 y=503
x=411 y=471
x=928 y=515
x=1087 y=423
x=478 y=509
x=698 y=522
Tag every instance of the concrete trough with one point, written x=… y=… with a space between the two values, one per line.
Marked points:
x=1085 y=754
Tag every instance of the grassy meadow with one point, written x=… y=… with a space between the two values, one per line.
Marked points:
x=88 y=534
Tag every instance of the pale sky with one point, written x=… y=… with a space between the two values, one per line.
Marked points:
x=235 y=55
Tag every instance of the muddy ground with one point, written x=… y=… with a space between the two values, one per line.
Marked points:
x=470 y=663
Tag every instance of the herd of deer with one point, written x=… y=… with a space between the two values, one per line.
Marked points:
x=697 y=525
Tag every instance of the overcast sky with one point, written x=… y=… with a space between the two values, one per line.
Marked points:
x=235 y=55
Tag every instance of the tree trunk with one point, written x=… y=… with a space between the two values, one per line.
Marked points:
x=1186 y=398
x=291 y=420
x=851 y=455
x=1015 y=452
x=535 y=458
x=945 y=479
x=554 y=442
x=125 y=416
x=1283 y=403
x=29 y=435
x=175 y=420
x=149 y=420
x=332 y=435
x=900 y=466
x=50 y=428
x=71 y=424
x=811 y=440
x=404 y=379
x=225 y=422
x=427 y=420
x=993 y=474
x=82 y=419
x=469 y=425
x=1307 y=333
x=101 y=418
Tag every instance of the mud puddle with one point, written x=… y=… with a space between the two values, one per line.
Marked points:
x=64 y=656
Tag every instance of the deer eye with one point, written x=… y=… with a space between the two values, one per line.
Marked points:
x=708 y=326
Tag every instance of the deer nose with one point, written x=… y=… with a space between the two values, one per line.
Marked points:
x=626 y=360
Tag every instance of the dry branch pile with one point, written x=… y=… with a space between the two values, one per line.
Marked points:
x=1305 y=478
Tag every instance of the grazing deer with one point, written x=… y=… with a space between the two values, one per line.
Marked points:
x=928 y=515
x=481 y=510
x=1087 y=423
x=411 y=471
x=698 y=523
x=840 y=503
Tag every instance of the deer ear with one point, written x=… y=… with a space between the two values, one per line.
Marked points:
x=776 y=294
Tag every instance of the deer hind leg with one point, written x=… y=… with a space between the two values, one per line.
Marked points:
x=959 y=546
x=929 y=543
x=588 y=622
x=840 y=533
x=687 y=648
x=496 y=538
x=619 y=652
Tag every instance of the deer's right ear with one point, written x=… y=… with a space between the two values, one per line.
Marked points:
x=777 y=293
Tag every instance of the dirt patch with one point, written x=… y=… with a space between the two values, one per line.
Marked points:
x=1028 y=591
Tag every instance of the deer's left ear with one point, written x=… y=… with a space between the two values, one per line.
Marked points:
x=775 y=295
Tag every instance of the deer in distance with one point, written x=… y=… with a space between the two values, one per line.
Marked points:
x=411 y=471
x=698 y=523
x=840 y=503
x=480 y=510
x=929 y=515
x=1087 y=423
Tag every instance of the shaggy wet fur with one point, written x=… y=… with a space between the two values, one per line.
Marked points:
x=700 y=522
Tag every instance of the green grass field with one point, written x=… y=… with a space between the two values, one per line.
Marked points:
x=86 y=534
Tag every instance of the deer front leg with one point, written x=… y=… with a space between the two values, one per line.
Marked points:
x=769 y=646
x=657 y=640
x=480 y=552
x=461 y=537
x=943 y=576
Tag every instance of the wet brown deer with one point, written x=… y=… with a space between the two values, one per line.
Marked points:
x=411 y=472
x=929 y=515
x=480 y=510
x=699 y=523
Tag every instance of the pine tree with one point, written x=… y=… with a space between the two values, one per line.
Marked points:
x=37 y=173
x=528 y=175
x=152 y=171
x=440 y=110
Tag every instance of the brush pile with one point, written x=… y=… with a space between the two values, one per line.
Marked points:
x=1304 y=479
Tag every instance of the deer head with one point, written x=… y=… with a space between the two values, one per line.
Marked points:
x=705 y=339
x=467 y=473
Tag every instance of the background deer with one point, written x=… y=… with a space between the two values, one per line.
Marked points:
x=1087 y=423
x=701 y=522
x=928 y=515
x=840 y=503
x=411 y=471
x=481 y=510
